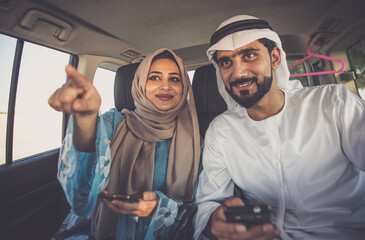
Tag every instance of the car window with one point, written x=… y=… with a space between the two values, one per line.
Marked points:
x=36 y=126
x=191 y=75
x=7 y=50
x=356 y=56
x=104 y=83
x=298 y=69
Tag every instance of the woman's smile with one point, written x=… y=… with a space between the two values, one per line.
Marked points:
x=164 y=97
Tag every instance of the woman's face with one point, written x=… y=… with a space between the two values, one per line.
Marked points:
x=164 y=86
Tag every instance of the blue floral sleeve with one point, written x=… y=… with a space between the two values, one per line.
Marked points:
x=171 y=214
x=83 y=175
x=163 y=218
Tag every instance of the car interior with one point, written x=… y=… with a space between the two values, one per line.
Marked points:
x=105 y=41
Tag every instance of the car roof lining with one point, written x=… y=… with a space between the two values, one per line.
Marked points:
x=122 y=26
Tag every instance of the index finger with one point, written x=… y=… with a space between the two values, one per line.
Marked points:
x=128 y=206
x=265 y=231
x=235 y=201
x=227 y=230
x=78 y=79
x=120 y=209
x=149 y=196
x=221 y=228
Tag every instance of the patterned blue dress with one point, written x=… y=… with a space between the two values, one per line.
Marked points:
x=83 y=175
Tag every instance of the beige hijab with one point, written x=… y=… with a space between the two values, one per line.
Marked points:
x=133 y=146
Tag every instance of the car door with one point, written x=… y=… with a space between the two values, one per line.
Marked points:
x=32 y=203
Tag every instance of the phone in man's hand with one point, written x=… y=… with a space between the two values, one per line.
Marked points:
x=121 y=197
x=248 y=215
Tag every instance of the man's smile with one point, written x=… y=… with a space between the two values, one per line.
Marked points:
x=243 y=84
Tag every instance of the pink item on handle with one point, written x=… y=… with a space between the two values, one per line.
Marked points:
x=319 y=56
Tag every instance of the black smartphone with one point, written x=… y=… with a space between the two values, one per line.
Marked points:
x=121 y=197
x=248 y=215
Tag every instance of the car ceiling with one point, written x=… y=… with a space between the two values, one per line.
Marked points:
x=110 y=27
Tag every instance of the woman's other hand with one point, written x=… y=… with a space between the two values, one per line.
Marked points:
x=77 y=96
x=143 y=208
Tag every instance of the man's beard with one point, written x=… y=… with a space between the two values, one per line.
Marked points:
x=244 y=99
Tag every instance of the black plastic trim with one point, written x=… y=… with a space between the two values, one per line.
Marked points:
x=12 y=101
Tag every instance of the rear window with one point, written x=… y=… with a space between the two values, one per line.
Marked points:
x=298 y=69
x=356 y=56
x=104 y=83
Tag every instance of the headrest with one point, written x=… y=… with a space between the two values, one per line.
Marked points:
x=207 y=97
x=123 y=85
x=209 y=103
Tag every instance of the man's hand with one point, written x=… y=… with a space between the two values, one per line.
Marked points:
x=143 y=208
x=221 y=229
x=78 y=95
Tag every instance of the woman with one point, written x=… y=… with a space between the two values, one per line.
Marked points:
x=154 y=150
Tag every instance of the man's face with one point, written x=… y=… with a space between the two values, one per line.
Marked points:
x=247 y=72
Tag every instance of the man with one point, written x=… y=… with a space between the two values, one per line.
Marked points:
x=299 y=150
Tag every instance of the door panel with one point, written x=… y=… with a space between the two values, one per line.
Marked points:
x=32 y=203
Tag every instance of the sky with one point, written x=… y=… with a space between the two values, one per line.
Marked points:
x=7 y=50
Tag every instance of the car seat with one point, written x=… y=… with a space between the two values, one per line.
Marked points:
x=123 y=85
x=209 y=103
